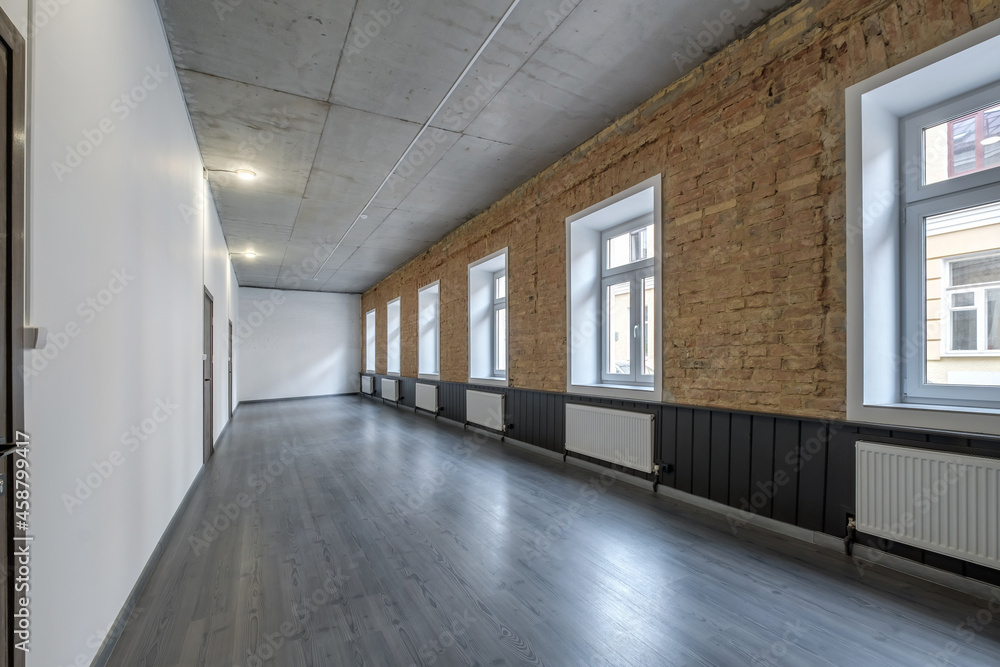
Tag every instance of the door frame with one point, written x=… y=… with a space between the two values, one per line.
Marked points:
x=208 y=364
x=230 y=369
x=14 y=319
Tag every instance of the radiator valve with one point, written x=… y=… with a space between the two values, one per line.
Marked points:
x=852 y=535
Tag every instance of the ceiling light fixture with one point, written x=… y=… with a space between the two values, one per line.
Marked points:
x=243 y=174
x=250 y=255
x=444 y=100
x=989 y=141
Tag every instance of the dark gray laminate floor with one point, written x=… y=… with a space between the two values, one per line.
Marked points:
x=378 y=537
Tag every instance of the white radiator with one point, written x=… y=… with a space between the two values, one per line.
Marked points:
x=617 y=436
x=941 y=502
x=367 y=385
x=485 y=409
x=390 y=389
x=427 y=397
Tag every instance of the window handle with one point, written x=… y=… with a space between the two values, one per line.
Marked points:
x=635 y=331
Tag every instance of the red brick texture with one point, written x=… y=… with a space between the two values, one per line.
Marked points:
x=751 y=146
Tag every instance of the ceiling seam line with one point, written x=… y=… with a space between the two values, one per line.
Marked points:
x=340 y=57
x=444 y=100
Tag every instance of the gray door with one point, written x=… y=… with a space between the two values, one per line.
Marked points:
x=207 y=373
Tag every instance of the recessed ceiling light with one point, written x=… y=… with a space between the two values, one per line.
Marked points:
x=989 y=141
x=250 y=254
x=246 y=174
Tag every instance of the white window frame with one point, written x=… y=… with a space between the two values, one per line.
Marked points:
x=979 y=305
x=371 y=334
x=429 y=331
x=499 y=303
x=482 y=313
x=586 y=243
x=393 y=337
x=876 y=205
x=635 y=273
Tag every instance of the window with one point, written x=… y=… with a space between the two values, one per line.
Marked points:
x=951 y=251
x=393 y=342
x=370 y=341
x=429 y=344
x=627 y=284
x=614 y=323
x=500 y=324
x=489 y=325
x=923 y=240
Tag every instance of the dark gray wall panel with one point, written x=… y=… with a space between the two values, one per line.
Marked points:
x=685 y=444
x=740 y=429
x=762 y=464
x=701 y=465
x=786 y=481
x=813 y=437
x=721 y=437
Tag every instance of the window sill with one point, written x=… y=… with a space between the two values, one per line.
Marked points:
x=923 y=416
x=633 y=392
x=428 y=376
x=493 y=382
x=394 y=374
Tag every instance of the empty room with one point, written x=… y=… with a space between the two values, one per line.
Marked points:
x=500 y=332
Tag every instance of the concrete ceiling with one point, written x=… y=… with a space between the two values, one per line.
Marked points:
x=322 y=97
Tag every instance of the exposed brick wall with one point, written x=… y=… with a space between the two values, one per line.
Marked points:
x=752 y=149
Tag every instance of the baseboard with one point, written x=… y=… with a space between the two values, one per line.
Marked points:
x=295 y=398
x=868 y=556
x=108 y=646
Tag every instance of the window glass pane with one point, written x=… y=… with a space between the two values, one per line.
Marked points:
x=963 y=299
x=648 y=337
x=962 y=146
x=500 y=287
x=619 y=323
x=993 y=319
x=500 y=336
x=976 y=270
x=618 y=251
x=991 y=140
x=630 y=247
x=961 y=248
x=963 y=330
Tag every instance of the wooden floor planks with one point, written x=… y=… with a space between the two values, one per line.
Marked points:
x=350 y=533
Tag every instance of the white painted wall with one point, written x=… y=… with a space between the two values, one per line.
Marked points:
x=296 y=344
x=120 y=248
